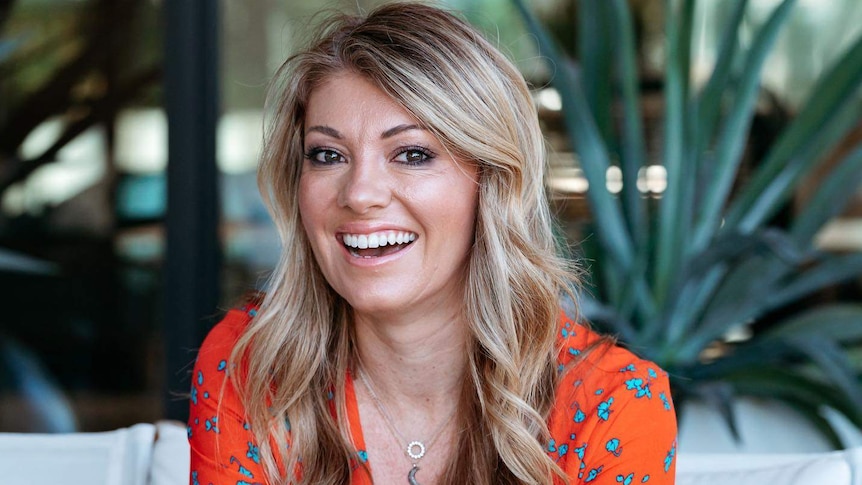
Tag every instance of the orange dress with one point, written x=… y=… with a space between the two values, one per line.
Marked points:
x=613 y=421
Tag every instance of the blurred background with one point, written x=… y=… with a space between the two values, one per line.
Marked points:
x=129 y=213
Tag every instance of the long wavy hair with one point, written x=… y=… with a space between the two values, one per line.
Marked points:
x=299 y=348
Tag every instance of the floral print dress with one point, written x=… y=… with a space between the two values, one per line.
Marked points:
x=613 y=421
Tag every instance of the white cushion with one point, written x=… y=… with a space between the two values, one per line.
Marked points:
x=832 y=468
x=765 y=426
x=119 y=457
x=171 y=460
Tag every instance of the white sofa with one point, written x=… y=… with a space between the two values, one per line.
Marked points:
x=143 y=454
x=158 y=454
x=825 y=468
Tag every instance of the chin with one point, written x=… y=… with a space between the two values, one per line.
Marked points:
x=374 y=306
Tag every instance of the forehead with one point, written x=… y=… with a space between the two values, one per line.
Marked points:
x=347 y=97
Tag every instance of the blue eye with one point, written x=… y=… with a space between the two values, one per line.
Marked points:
x=414 y=156
x=323 y=156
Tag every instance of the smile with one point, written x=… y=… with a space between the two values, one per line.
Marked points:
x=377 y=244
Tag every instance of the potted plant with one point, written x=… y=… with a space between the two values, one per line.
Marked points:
x=672 y=275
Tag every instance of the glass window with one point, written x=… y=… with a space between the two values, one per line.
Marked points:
x=81 y=170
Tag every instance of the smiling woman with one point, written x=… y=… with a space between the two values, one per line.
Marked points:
x=371 y=173
x=413 y=331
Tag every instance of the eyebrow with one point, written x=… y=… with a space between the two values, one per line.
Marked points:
x=326 y=130
x=399 y=129
x=330 y=131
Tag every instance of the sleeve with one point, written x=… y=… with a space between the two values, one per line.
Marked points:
x=619 y=426
x=223 y=448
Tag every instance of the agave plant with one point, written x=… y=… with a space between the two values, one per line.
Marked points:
x=672 y=276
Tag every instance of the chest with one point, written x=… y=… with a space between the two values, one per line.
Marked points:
x=387 y=456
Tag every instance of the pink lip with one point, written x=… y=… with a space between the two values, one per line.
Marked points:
x=367 y=228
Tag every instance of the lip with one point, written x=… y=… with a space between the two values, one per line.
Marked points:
x=369 y=228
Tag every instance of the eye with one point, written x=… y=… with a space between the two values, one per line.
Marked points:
x=323 y=156
x=414 y=156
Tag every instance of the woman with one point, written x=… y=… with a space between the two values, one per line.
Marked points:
x=412 y=331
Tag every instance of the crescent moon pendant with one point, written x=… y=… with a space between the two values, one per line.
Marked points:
x=411 y=476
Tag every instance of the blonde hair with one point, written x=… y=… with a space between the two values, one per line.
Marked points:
x=298 y=349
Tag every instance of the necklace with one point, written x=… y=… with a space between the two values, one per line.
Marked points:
x=415 y=449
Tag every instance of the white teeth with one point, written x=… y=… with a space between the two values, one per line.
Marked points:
x=377 y=239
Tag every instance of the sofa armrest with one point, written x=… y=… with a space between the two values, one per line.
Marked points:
x=170 y=465
x=119 y=457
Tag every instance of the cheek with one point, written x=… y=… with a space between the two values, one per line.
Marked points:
x=312 y=218
x=458 y=202
x=466 y=205
x=309 y=207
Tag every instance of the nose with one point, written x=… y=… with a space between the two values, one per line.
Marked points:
x=365 y=186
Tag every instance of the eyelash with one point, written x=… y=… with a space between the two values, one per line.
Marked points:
x=312 y=154
x=427 y=155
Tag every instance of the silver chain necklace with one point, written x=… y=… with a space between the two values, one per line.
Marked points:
x=415 y=449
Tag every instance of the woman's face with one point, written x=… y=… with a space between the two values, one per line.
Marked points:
x=389 y=213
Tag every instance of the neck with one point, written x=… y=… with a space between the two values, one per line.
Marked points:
x=411 y=374
x=417 y=363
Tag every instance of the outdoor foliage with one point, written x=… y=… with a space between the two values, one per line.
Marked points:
x=672 y=276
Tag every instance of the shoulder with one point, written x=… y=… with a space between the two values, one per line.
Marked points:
x=223 y=336
x=609 y=399
x=210 y=396
x=609 y=377
x=599 y=365
x=211 y=365
x=222 y=446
